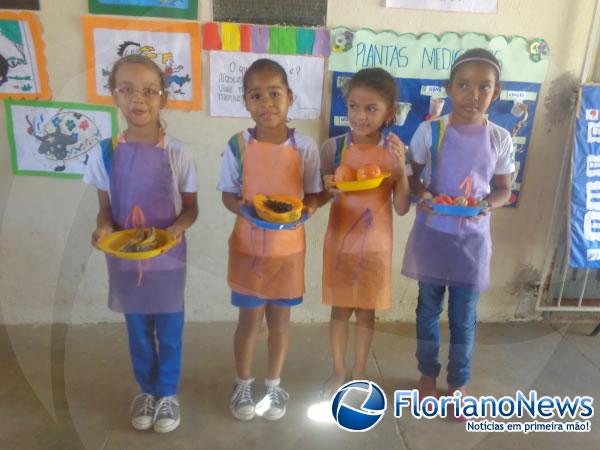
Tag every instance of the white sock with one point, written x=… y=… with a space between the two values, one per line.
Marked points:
x=238 y=380
x=272 y=383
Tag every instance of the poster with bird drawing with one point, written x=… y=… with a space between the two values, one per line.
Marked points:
x=22 y=62
x=174 y=46
x=55 y=138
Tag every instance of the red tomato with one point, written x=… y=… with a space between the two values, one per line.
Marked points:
x=443 y=200
x=472 y=201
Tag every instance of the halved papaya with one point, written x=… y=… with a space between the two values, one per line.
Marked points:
x=278 y=208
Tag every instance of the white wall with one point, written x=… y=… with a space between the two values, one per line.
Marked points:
x=48 y=271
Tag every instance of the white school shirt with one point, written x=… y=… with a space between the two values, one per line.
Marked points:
x=501 y=141
x=230 y=179
x=181 y=160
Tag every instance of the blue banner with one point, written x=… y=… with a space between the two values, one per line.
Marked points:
x=419 y=98
x=585 y=199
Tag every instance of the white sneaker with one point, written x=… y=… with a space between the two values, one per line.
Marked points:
x=272 y=406
x=167 y=415
x=242 y=404
x=141 y=411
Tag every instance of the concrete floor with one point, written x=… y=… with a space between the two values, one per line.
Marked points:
x=69 y=387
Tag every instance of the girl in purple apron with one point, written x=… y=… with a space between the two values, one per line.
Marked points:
x=143 y=170
x=460 y=152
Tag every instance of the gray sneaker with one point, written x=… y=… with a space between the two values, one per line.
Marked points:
x=141 y=411
x=273 y=403
x=168 y=414
x=242 y=404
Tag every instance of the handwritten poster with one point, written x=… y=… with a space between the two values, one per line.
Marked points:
x=472 y=6
x=305 y=77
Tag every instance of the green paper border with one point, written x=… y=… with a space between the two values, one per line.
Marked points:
x=48 y=104
x=333 y=60
x=191 y=13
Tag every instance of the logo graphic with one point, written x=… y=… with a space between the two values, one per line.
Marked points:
x=358 y=405
x=593 y=135
x=592 y=114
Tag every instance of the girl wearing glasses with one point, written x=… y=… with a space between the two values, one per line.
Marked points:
x=145 y=177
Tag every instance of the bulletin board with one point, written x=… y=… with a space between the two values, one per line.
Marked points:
x=289 y=12
x=421 y=65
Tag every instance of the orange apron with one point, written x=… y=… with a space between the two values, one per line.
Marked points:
x=357 y=257
x=268 y=263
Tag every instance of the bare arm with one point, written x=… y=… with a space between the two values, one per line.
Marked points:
x=104 y=222
x=188 y=215
x=501 y=190
x=312 y=202
x=418 y=189
x=232 y=202
x=401 y=193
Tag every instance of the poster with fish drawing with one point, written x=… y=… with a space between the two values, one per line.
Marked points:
x=55 y=138
x=22 y=62
x=176 y=9
x=174 y=46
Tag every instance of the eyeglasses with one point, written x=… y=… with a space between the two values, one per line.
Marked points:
x=147 y=92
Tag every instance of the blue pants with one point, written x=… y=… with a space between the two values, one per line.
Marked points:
x=157 y=373
x=462 y=315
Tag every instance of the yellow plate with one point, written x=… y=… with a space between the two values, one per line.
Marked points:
x=111 y=245
x=362 y=185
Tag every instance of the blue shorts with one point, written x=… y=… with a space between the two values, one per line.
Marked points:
x=250 y=301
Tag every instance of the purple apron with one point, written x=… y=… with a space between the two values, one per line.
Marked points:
x=141 y=176
x=453 y=251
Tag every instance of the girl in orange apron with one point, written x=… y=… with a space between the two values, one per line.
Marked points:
x=266 y=267
x=357 y=257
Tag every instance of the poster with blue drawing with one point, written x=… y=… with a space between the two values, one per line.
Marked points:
x=421 y=66
x=55 y=138
x=177 y=9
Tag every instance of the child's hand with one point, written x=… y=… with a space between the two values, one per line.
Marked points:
x=329 y=184
x=176 y=232
x=424 y=202
x=241 y=203
x=485 y=211
x=310 y=210
x=398 y=150
x=100 y=233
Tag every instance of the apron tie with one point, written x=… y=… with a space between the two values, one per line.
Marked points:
x=137 y=220
x=257 y=255
x=367 y=217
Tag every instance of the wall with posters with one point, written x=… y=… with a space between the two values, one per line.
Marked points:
x=50 y=273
